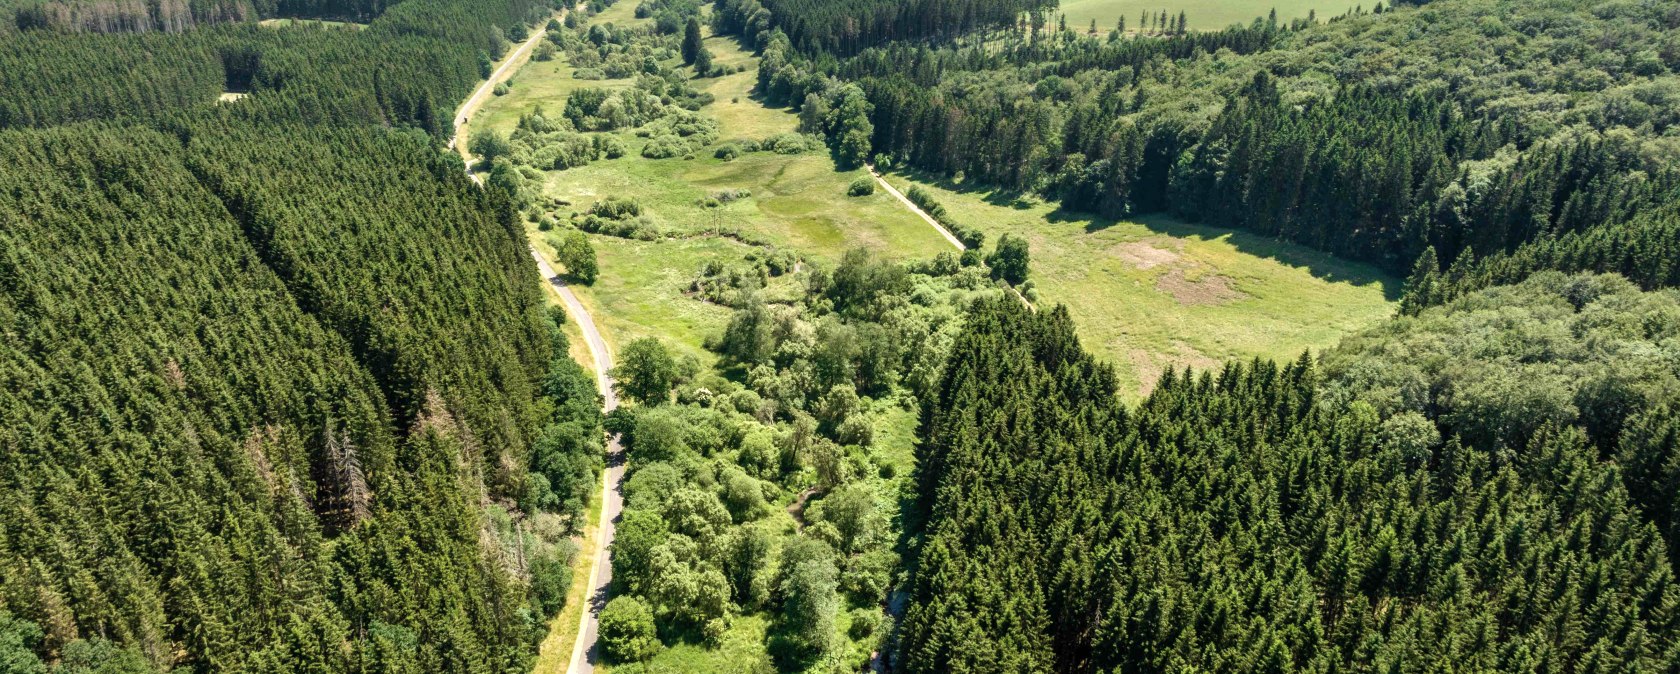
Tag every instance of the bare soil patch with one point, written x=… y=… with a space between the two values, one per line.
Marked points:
x=1209 y=289
x=1143 y=255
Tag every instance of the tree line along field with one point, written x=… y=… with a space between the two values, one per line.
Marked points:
x=1154 y=294
x=1200 y=14
x=796 y=202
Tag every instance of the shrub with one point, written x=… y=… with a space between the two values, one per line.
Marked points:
x=611 y=146
x=501 y=89
x=489 y=145
x=787 y=143
x=728 y=152
x=627 y=630
x=862 y=187
x=616 y=208
x=665 y=147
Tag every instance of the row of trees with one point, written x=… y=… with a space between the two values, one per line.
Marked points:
x=1302 y=518
x=408 y=68
x=850 y=26
x=174 y=16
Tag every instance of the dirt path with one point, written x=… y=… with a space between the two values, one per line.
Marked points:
x=935 y=223
x=470 y=106
x=916 y=209
x=585 y=652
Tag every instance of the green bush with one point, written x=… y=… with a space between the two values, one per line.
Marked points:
x=862 y=187
x=627 y=630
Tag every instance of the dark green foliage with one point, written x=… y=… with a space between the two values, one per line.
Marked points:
x=863 y=186
x=646 y=372
x=270 y=360
x=691 y=42
x=1286 y=518
x=1010 y=260
x=408 y=68
x=574 y=251
x=1375 y=162
x=703 y=62
x=233 y=412
x=847 y=26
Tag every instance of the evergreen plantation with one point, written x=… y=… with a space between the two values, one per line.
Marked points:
x=1420 y=501
x=282 y=392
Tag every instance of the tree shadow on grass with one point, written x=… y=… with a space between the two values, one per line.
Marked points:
x=991 y=194
x=1320 y=265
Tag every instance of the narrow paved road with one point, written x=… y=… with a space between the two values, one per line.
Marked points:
x=585 y=651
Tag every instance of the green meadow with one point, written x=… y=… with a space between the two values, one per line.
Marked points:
x=797 y=202
x=1156 y=293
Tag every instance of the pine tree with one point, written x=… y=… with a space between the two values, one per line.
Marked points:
x=692 y=43
x=1422 y=286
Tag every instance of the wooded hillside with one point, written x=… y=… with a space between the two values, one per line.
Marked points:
x=283 y=394
x=1299 y=518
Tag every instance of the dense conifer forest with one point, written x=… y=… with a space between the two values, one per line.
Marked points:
x=1348 y=514
x=282 y=393
x=1484 y=126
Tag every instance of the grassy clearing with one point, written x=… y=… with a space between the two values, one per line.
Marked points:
x=797 y=202
x=1202 y=14
x=1157 y=293
x=641 y=291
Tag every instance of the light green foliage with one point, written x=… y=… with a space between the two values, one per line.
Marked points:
x=807 y=585
x=18 y=640
x=814 y=114
x=489 y=145
x=863 y=186
x=848 y=122
x=1497 y=366
x=627 y=630
x=573 y=250
x=638 y=534
x=855 y=512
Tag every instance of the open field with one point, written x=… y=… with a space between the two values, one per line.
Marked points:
x=797 y=202
x=1157 y=293
x=1202 y=14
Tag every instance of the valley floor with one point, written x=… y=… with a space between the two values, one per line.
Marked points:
x=1146 y=295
